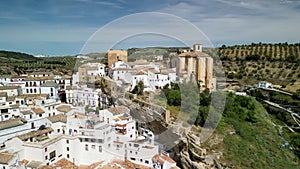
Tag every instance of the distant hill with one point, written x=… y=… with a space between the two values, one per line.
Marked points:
x=16 y=63
x=17 y=56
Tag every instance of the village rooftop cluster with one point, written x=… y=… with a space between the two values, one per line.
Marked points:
x=49 y=120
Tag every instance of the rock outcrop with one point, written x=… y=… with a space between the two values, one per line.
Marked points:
x=190 y=155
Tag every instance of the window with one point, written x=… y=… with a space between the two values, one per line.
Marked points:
x=52 y=155
x=100 y=149
x=58 y=130
x=68 y=155
x=132 y=158
x=46 y=157
x=147 y=162
x=68 y=149
x=67 y=141
x=93 y=146
x=46 y=149
x=86 y=147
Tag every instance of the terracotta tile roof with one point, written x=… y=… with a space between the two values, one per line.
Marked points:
x=71 y=87
x=121 y=68
x=5 y=76
x=47 y=167
x=139 y=73
x=38 y=110
x=128 y=164
x=66 y=77
x=25 y=112
x=64 y=163
x=32 y=96
x=5 y=157
x=19 y=77
x=34 y=133
x=11 y=123
x=11 y=98
x=3 y=94
x=167 y=158
x=58 y=118
x=64 y=108
x=162 y=158
x=148 y=147
x=40 y=73
x=9 y=87
x=39 y=78
x=34 y=164
x=118 y=110
x=95 y=164
x=154 y=71
x=14 y=106
x=24 y=161
x=49 y=84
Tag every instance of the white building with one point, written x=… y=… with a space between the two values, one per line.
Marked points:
x=263 y=85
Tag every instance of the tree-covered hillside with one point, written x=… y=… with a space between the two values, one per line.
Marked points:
x=276 y=63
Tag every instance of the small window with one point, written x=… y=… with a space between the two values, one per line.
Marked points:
x=86 y=147
x=46 y=157
x=52 y=155
x=68 y=155
x=67 y=141
x=68 y=149
x=46 y=149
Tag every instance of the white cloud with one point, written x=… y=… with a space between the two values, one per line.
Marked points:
x=233 y=20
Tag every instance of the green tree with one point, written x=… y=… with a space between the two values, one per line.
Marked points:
x=139 y=88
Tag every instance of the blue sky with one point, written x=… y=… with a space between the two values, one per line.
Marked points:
x=62 y=27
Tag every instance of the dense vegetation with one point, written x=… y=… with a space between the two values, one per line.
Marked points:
x=251 y=135
x=250 y=140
